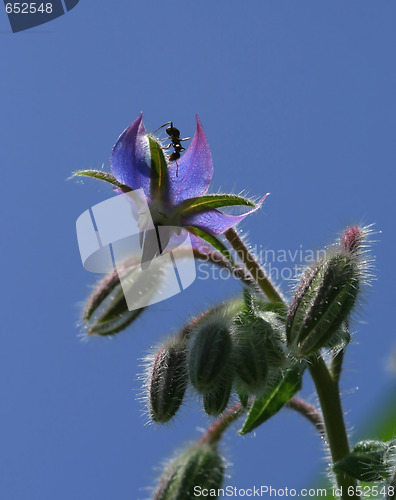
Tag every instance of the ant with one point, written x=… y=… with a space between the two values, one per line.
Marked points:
x=174 y=135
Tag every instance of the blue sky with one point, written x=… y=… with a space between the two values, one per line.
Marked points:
x=297 y=99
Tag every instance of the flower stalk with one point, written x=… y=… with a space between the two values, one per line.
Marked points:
x=336 y=435
x=217 y=429
x=253 y=267
x=309 y=412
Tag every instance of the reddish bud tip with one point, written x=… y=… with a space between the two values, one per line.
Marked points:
x=351 y=240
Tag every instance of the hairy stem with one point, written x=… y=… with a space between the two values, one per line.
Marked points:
x=216 y=430
x=237 y=271
x=336 y=365
x=336 y=435
x=253 y=267
x=309 y=412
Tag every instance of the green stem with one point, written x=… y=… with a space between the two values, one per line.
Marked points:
x=336 y=364
x=216 y=430
x=329 y=397
x=237 y=270
x=254 y=267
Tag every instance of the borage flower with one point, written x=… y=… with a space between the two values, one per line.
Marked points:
x=175 y=197
x=176 y=193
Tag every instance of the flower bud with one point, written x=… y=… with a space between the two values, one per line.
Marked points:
x=216 y=400
x=352 y=239
x=209 y=353
x=369 y=461
x=201 y=466
x=323 y=302
x=106 y=311
x=168 y=381
x=257 y=349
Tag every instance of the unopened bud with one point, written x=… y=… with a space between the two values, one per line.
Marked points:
x=355 y=240
x=168 y=381
x=209 y=354
x=369 y=461
x=257 y=349
x=199 y=467
x=352 y=239
x=106 y=311
x=324 y=300
x=216 y=400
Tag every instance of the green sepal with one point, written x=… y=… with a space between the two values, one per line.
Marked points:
x=258 y=352
x=274 y=399
x=211 y=201
x=276 y=307
x=209 y=356
x=243 y=398
x=168 y=381
x=114 y=318
x=104 y=287
x=254 y=305
x=216 y=400
x=102 y=176
x=212 y=240
x=106 y=311
x=249 y=300
x=370 y=461
x=322 y=303
x=159 y=174
x=201 y=466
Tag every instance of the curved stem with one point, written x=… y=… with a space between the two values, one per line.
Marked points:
x=254 y=267
x=309 y=412
x=216 y=430
x=237 y=271
x=329 y=397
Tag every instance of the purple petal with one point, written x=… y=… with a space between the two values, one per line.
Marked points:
x=128 y=159
x=216 y=222
x=195 y=169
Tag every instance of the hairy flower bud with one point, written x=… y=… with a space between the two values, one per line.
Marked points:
x=168 y=381
x=199 y=467
x=106 y=311
x=323 y=302
x=369 y=461
x=352 y=239
x=209 y=353
x=216 y=400
x=257 y=349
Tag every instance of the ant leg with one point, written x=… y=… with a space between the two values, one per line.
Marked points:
x=185 y=139
x=177 y=169
x=167 y=147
